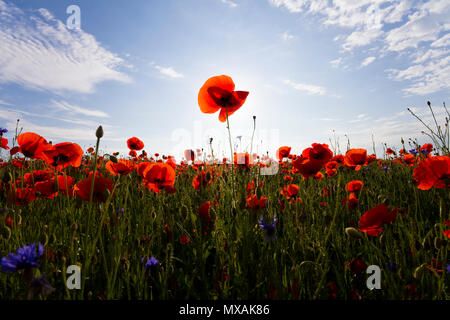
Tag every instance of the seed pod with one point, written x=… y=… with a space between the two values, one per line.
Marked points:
x=352 y=232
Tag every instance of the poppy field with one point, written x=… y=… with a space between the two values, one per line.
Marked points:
x=151 y=227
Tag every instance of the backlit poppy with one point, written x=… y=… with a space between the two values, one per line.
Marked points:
x=4 y=143
x=135 y=144
x=354 y=186
x=218 y=94
x=307 y=167
x=355 y=158
x=373 y=220
x=63 y=154
x=256 y=204
x=159 y=176
x=318 y=151
x=283 y=152
x=101 y=185
x=32 y=145
x=122 y=167
x=433 y=172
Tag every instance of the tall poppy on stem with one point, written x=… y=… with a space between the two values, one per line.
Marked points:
x=218 y=93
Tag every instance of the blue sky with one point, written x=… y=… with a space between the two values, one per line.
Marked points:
x=313 y=69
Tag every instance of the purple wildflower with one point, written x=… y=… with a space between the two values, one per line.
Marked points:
x=151 y=262
x=25 y=257
x=270 y=228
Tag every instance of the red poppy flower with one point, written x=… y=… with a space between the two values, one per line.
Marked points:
x=36 y=176
x=354 y=186
x=318 y=152
x=351 y=201
x=408 y=160
x=14 y=150
x=122 y=167
x=21 y=196
x=32 y=145
x=433 y=172
x=4 y=143
x=203 y=211
x=290 y=191
x=307 y=167
x=132 y=153
x=184 y=240
x=218 y=94
x=202 y=180
x=46 y=189
x=355 y=158
x=390 y=151
x=256 y=204
x=283 y=152
x=372 y=221
x=356 y=266
x=446 y=233
x=135 y=144
x=427 y=147
x=90 y=150
x=65 y=184
x=62 y=155
x=158 y=176
x=101 y=185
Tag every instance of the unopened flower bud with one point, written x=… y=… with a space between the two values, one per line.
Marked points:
x=99 y=132
x=352 y=232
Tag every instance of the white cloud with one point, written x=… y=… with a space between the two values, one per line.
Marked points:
x=407 y=28
x=230 y=3
x=39 y=52
x=308 y=88
x=73 y=109
x=286 y=36
x=336 y=62
x=169 y=71
x=367 y=61
x=5 y=103
x=291 y=5
x=444 y=41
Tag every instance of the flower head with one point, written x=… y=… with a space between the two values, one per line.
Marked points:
x=151 y=262
x=218 y=94
x=26 y=257
x=269 y=227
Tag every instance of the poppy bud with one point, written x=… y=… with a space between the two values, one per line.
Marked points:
x=429 y=103
x=99 y=132
x=74 y=226
x=352 y=232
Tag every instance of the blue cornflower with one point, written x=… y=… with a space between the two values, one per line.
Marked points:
x=392 y=265
x=2 y=130
x=270 y=228
x=151 y=262
x=386 y=168
x=448 y=268
x=25 y=257
x=413 y=151
x=121 y=210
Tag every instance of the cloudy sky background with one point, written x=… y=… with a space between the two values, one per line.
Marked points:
x=314 y=69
